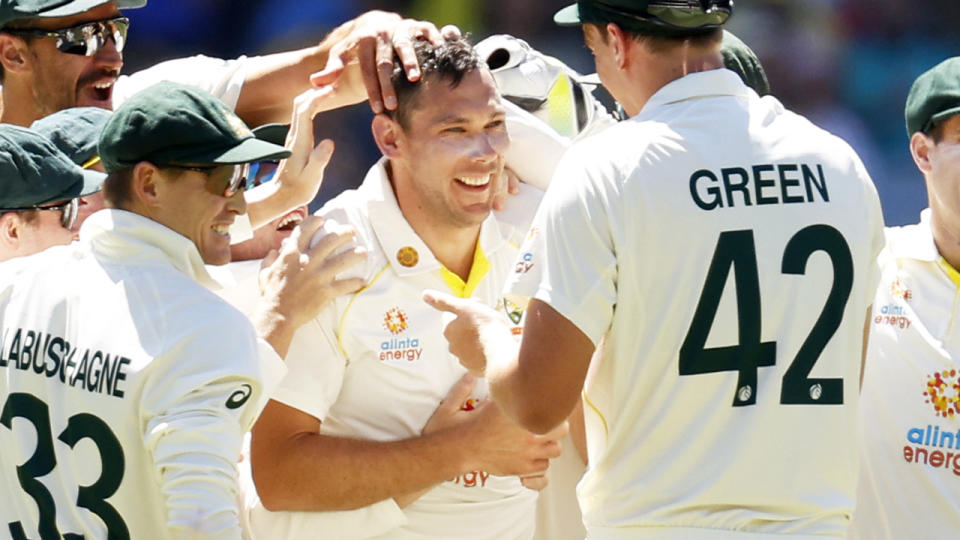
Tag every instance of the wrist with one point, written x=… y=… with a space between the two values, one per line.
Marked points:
x=457 y=444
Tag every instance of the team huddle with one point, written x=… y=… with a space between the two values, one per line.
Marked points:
x=530 y=321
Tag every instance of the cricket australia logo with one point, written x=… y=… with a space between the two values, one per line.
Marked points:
x=395 y=321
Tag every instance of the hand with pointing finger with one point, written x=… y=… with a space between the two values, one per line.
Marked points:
x=476 y=333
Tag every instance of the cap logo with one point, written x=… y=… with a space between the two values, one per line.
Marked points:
x=237 y=125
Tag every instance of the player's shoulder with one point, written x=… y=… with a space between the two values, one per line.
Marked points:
x=350 y=209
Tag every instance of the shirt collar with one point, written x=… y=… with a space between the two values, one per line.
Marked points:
x=913 y=241
x=129 y=238
x=713 y=82
x=395 y=234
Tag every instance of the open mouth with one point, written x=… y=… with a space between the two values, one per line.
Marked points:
x=474 y=181
x=222 y=229
x=103 y=90
x=291 y=220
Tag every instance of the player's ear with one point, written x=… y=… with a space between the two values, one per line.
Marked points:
x=13 y=53
x=145 y=188
x=619 y=40
x=11 y=230
x=920 y=146
x=388 y=135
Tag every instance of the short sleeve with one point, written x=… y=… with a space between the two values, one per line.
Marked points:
x=568 y=259
x=315 y=367
x=222 y=78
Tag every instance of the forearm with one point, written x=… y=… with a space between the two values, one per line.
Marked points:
x=195 y=458
x=274 y=328
x=313 y=472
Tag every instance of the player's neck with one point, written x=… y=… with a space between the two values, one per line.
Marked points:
x=648 y=73
x=946 y=235
x=454 y=247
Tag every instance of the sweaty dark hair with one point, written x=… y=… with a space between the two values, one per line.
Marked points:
x=448 y=62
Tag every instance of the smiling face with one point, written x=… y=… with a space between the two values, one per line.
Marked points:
x=192 y=204
x=268 y=236
x=59 y=80
x=451 y=151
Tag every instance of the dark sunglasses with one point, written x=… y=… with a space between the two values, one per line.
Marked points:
x=68 y=212
x=238 y=178
x=84 y=39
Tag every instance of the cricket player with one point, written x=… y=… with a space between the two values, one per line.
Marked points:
x=910 y=416
x=723 y=249
x=126 y=384
x=356 y=422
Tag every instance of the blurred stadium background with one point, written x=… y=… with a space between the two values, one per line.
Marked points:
x=846 y=64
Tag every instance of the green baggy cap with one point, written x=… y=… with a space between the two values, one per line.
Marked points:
x=655 y=17
x=74 y=131
x=934 y=97
x=741 y=59
x=30 y=9
x=170 y=124
x=33 y=172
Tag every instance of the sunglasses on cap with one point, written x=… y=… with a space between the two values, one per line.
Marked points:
x=68 y=211
x=84 y=39
x=237 y=181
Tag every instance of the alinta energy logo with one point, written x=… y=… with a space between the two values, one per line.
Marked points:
x=943 y=392
x=895 y=314
x=938 y=445
x=396 y=322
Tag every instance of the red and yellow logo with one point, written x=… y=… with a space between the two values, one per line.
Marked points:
x=943 y=391
x=395 y=321
x=899 y=290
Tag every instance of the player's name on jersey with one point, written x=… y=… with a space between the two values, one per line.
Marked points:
x=56 y=358
x=758 y=185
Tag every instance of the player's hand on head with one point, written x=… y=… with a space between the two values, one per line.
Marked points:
x=474 y=331
x=299 y=280
x=366 y=46
x=508 y=184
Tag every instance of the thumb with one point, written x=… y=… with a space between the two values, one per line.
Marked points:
x=459 y=392
x=442 y=301
x=330 y=72
x=269 y=259
x=319 y=159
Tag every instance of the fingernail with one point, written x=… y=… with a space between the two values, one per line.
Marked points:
x=391 y=102
x=376 y=106
x=413 y=73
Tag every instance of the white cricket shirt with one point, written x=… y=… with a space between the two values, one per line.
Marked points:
x=910 y=416
x=653 y=233
x=125 y=388
x=375 y=364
